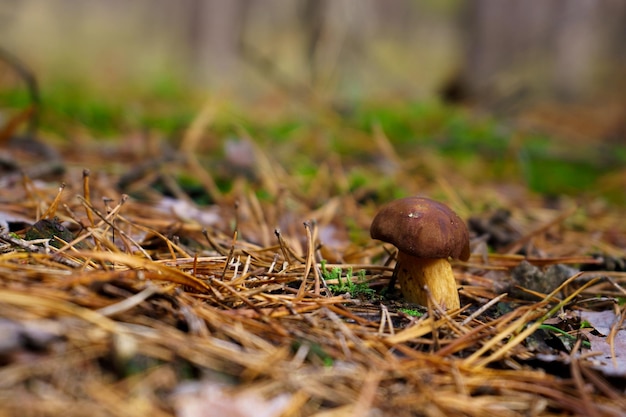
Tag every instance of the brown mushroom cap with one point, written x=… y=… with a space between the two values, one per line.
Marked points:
x=423 y=228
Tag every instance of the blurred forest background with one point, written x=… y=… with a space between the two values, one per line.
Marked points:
x=353 y=48
x=556 y=67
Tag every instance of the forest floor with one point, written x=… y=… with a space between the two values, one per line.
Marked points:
x=227 y=269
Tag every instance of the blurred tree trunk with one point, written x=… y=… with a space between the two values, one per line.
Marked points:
x=213 y=37
x=559 y=48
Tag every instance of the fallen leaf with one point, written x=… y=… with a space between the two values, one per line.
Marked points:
x=606 y=363
x=603 y=322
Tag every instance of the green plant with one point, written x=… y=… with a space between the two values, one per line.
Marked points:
x=355 y=286
x=411 y=312
x=563 y=335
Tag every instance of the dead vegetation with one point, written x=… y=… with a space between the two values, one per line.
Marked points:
x=162 y=307
x=262 y=304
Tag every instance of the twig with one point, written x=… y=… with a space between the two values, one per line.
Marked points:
x=484 y=308
x=130 y=302
x=229 y=258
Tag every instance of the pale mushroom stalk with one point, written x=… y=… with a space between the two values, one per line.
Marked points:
x=416 y=274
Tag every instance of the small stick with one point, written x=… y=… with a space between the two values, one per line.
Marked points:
x=214 y=244
x=107 y=201
x=484 y=308
x=129 y=302
x=283 y=248
x=616 y=285
x=611 y=337
x=273 y=264
x=385 y=318
x=49 y=213
x=88 y=211
x=307 y=268
x=230 y=254
x=195 y=264
x=246 y=266
x=87 y=196
x=310 y=258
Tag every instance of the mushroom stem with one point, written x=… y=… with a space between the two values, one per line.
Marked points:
x=436 y=274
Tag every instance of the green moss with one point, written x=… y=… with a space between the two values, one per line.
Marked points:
x=477 y=147
x=411 y=312
x=550 y=168
x=355 y=287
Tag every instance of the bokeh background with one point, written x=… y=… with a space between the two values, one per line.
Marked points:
x=350 y=48
x=553 y=70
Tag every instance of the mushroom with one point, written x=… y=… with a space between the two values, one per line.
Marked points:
x=427 y=233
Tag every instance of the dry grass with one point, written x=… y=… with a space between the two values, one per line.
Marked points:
x=156 y=314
